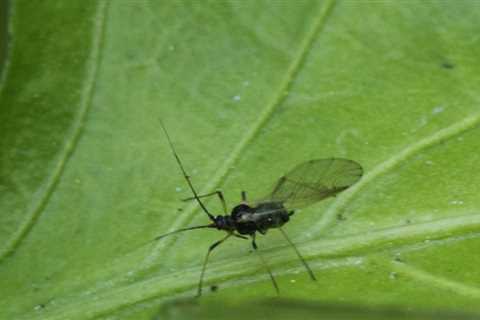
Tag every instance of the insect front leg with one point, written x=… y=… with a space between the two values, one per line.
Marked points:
x=213 y=246
x=265 y=265
x=218 y=193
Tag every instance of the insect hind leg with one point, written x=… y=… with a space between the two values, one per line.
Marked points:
x=265 y=265
x=310 y=272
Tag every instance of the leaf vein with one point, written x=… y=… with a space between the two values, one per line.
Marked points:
x=331 y=252
x=41 y=200
x=249 y=136
x=428 y=142
x=436 y=280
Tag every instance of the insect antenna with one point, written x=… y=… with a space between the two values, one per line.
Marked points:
x=212 y=225
x=185 y=175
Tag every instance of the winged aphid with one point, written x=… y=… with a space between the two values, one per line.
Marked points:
x=304 y=185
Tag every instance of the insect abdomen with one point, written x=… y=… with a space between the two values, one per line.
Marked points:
x=271 y=220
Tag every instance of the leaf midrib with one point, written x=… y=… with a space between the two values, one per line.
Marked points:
x=327 y=249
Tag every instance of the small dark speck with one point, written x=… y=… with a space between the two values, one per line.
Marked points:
x=39 y=306
x=408 y=221
x=398 y=259
x=341 y=217
x=213 y=288
x=448 y=65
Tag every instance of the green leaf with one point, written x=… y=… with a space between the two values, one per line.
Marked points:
x=293 y=309
x=247 y=90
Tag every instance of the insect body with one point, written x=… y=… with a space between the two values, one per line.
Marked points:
x=247 y=220
x=305 y=184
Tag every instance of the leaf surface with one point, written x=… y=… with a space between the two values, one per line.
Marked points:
x=247 y=91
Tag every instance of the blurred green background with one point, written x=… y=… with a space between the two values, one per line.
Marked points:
x=247 y=90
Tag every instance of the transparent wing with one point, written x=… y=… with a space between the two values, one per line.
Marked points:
x=314 y=180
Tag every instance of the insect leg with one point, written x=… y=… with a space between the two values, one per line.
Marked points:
x=185 y=175
x=264 y=263
x=218 y=193
x=244 y=196
x=213 y=246
x=310 y=272
x=240 y=236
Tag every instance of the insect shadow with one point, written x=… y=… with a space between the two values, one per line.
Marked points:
x=306 y=184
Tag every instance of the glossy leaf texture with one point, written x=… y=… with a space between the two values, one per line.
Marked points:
x=247 y=90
